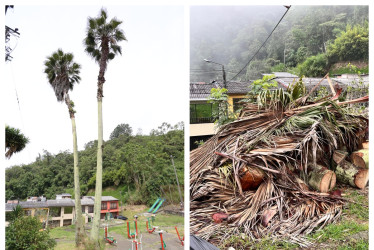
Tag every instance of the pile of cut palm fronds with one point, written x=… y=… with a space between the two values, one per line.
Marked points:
x=277 y=141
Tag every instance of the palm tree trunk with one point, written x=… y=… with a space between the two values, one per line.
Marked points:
x=79 y=224
x=99 y=167
x=99 y=174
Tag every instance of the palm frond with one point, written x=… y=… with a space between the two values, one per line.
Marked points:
x=276 y=134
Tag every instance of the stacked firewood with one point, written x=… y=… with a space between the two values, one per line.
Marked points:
x=273 y=171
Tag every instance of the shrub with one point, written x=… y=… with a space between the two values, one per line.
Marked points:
x=314 y=66
x=26 y=233
x=353 y=44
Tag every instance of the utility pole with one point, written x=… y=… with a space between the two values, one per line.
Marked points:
x=176 y=176
x=223 y=72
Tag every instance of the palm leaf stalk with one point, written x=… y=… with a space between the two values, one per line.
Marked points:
x=62 y=73
x=101 y=43
x=283 y=138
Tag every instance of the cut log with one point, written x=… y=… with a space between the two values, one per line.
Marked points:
x=348 y=173
x=365 y=145
x=250 y=177
x=339 y=156
x=361 y=158
x=322 y=179
x=302 y=184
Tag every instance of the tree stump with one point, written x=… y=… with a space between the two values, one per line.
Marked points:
x=355 y=176
x=361 y=158
x=322 y=179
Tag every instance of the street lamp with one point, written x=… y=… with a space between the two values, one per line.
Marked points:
x=223 y=71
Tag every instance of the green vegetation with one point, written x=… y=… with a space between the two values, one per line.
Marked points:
x=263 y=84
x=243 y=242
x=15 y=141
x=338 y=31
x=313 y=66
x=25 y=232
x=339 y=231
x=358 y=207
x=66 y=233
x=218 y=98
x=348 y=70
x=137 y=166
x=350 y=45
x=121 y=129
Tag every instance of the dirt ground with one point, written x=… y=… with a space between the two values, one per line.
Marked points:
x=149 y=241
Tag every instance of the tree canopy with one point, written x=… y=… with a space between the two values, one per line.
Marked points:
x=62 y=73
x=15 y=141
x=121 y=129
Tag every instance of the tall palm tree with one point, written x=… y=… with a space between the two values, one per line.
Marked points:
x=102 y=45
x=62 y=73
x=15 y=141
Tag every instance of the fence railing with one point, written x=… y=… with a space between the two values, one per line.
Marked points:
x=197 y=120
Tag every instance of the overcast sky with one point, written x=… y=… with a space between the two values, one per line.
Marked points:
x=144 y=87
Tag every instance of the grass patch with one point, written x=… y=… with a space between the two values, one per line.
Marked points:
x=243 y=242
x=339 y=231
x=359 y=207
x=355 y=245
x=65 y=233
x=65 y=246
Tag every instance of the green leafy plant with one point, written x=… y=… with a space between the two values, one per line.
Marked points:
x=219 y=99
x=313 y=66
x=265 y=83
x=352 y=44
x=26 y=232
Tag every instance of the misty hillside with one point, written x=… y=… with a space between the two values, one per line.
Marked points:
x=230 y=35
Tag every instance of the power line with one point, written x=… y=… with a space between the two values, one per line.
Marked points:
x=19 y=107
x=211 y=72
x=288 y=8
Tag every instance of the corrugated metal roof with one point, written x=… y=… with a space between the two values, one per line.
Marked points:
x=87 y=200
x=33 y=204
x=282 y=74
x=9 y=207
x=61 y=203
x=201 y=91
x=108 y=198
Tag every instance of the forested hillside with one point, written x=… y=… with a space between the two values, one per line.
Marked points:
x=230 y=35
x=138 y=165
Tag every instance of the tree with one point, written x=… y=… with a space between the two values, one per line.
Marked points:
x=314 y=66
x=121 y=129
x=353 y=44
x=25 y=232
x=102 y=45
x=62 y=73
x=15 y=141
